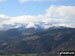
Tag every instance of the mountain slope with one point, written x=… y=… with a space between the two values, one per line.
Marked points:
x=45 y=41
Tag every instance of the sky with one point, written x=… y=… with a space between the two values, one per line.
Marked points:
x=30 y=7
x=58 y=12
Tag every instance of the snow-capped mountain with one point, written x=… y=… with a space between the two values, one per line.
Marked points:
x=31 y=25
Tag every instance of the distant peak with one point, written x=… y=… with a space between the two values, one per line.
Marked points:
x=31 y=25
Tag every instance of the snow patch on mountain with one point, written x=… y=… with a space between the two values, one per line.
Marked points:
x=31 y=25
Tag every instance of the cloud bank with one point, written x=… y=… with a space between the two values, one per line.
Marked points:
x=66 y=13
x=54 y=16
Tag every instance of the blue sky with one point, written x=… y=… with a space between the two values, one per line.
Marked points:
x=16 y=8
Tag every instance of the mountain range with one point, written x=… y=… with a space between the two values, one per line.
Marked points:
x=37 y=40
x=37 y=25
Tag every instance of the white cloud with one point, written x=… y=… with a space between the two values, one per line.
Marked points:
x=2 y=1
x=23 y=19
x=22 y=1
x=61 y=11
x=3 y=17
x=65 y=13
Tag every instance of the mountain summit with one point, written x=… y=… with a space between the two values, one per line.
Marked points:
x=31 y=25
